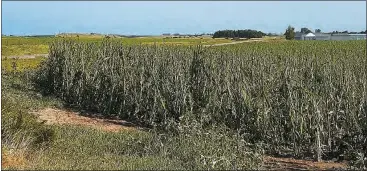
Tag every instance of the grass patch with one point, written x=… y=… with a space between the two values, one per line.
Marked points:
x=75 y=148
x=21 y=132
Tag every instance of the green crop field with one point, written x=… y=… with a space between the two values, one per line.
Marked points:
x=17 y=46
x=21 y=64
x=221 y=107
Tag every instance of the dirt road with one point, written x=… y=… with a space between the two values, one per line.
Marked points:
x=232 y=43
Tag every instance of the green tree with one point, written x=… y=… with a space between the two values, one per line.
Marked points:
x=238 y=33
x=289 y=33
x=317 y=31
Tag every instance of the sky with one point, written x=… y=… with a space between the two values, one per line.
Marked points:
x=185 y=17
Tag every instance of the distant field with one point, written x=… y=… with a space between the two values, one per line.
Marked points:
x=16 y=46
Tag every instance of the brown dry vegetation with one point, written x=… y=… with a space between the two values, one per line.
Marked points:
x=13 y=159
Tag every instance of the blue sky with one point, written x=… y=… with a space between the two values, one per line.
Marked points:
x=149 y=17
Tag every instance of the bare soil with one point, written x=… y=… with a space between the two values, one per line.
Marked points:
x=26 y=56
x=232 y=43
x=67 y=117
x=276 y=163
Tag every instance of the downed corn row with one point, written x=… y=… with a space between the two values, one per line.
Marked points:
x=309 y=97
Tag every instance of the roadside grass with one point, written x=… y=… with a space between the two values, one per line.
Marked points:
x=76 y=147
x=20 y=131
x=81 y=148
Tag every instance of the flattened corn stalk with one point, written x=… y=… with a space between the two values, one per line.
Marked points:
x=306 y=96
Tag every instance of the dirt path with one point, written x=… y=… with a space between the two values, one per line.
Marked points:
x=232 y=43
x=56 y=116
x=26 y=56
x=276 y=163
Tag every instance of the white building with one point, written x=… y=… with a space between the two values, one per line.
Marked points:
x=348 y=37
x=309 y=36
x=324 y=36
x=299 y=36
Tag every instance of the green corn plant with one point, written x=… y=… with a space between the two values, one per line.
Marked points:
x=301 y=98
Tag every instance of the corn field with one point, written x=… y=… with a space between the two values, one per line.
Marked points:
x=306 y=99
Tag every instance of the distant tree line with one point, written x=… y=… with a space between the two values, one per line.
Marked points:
x=272 y=34
x=238 y=33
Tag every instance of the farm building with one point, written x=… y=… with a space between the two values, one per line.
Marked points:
x=310 y=36
x=299 y=36
x=348 y=36
x=322 y=36
x=325 y=36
